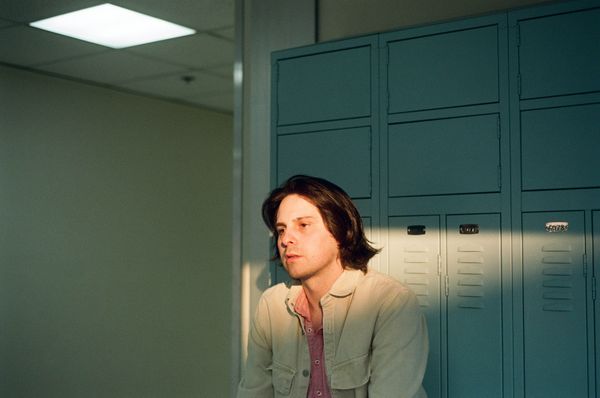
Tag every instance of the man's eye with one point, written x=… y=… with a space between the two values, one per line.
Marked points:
x=279 y=232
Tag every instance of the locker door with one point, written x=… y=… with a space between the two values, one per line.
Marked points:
x=329 y=85
x=474 y=306
x=558 y=54
x=444 y=156
x=342 y=156
x=444 y=70
x=414 y=247
x=554 y=300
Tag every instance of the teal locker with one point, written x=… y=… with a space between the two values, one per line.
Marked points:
x=445 y=156
x=342 y=156
x=325 y=86
x=474 y=306
x=559 y=147
x=559 y=54
x=449 y=69
x=414 y=259
x=554 y=300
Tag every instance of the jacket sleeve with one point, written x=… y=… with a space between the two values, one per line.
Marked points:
x=256 y=381
x=399 y=349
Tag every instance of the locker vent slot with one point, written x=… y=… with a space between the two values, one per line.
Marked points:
x=557 y=260
x=470 y=281
x=412 y=260
x=420 y=290
x=478 y=305
x=558 y=307
x=416 y=249
x=470 y=248
x=558 y=271
x=416 y=281
x=416 y=270
x=557 y=247
x=563 y=283
x=472 y=292
x=558 y=295
x=470 y=270
x=470 y=260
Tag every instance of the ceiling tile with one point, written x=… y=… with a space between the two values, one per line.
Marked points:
x=201 y=15
x=4 y=23
x=33 y=10
x=223 y=102
x=180 y=85
x=195 y=51
x=110 y=67
x=22 y=45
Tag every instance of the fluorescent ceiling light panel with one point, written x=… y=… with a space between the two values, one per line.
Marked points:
x=112 y=26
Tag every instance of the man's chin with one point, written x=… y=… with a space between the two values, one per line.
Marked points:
x=294 y=274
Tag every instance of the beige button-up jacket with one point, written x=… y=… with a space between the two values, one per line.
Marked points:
x=375 y=341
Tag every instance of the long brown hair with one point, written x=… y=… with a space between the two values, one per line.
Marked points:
x=337 y=210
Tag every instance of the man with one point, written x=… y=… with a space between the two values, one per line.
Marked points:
x=341 y=329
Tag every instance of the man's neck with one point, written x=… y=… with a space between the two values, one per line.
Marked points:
x=317 y=286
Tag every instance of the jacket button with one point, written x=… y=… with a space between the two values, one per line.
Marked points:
x=305 y=373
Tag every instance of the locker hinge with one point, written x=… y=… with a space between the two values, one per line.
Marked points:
x=276 y=71
x=518 y=34
x=387 y=76
x=594 y=288
x=387 y=101
x=439 y=264
x=585 y=265
x=447 y=287
x=499 y=177
x=519 y=84
x=499 y=128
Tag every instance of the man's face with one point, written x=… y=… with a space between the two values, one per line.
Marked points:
x=306 y=247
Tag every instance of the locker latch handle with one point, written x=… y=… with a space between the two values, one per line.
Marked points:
x=469 y=229
x=416 y=230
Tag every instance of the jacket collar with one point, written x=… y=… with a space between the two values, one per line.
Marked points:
x=342 y=287
x=346 y=283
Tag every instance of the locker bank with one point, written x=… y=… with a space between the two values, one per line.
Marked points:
x=472 y=150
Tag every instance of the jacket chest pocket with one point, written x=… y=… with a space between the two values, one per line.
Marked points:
x=351 y=374
x=283 y=378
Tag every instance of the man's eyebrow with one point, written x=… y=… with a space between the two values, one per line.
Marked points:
x=303 y=218
x=281 y=224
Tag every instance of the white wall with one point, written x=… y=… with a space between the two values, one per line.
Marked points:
x=115 y=242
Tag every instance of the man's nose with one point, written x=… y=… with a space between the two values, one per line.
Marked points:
x=287 y=237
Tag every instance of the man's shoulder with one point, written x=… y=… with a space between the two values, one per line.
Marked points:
x=380 y=282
